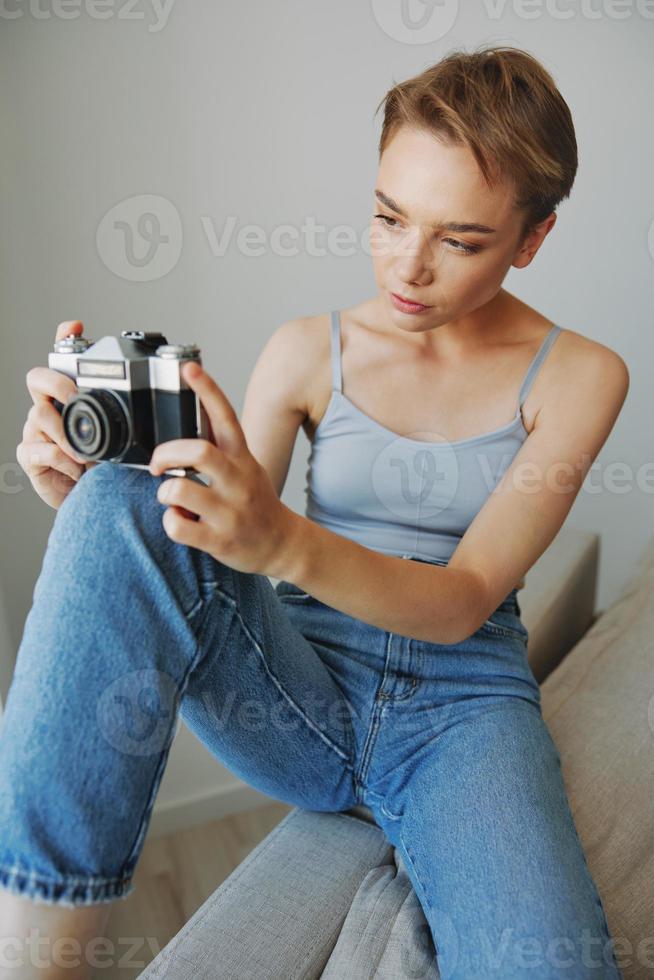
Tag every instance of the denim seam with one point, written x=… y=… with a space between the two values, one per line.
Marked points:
x=377 y=714
x=491 y=627
x=11 y=875
x=16 y=869
x=13 y=869
x=361 y=775
x=409 y=858
x=134 y=853
x=598 y=899
x=418 y=655
x=325 y=738
x=388 y=813
x=195 y=609
x=393 y=698
x=382 y=806
x=594 y=889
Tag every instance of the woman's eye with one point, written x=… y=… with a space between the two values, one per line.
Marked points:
x=457 y=245
x=462 y=247
x=387 y=220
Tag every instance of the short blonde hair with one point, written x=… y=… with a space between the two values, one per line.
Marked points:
x=503 y=105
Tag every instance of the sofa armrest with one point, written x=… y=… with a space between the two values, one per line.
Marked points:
x=279 y=914
x=558 y=601
x=599 y=707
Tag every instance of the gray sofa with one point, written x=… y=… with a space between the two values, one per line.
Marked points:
x=326 y=895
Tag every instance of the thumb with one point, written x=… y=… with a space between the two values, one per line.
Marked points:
x=69 y=327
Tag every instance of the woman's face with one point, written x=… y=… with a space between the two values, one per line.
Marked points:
x=451 y=270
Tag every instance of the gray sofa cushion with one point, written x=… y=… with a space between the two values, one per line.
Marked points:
x=385 y=934
x=279 y=914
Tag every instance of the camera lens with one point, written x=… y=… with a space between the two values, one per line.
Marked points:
x=85 y=428
x=96 y=425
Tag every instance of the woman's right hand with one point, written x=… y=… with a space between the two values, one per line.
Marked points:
x=45 y=454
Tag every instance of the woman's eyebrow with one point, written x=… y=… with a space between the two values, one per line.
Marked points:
x=460 y=226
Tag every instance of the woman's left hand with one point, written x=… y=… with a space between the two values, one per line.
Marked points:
x=241 y=520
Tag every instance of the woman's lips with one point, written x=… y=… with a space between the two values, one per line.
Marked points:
x=406 y=306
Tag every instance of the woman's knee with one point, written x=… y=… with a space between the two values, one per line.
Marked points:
x=113 y=503
x=112 y=515
x=111 y=525
x=108 y=486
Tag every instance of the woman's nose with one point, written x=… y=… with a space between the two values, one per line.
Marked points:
x=414 y=260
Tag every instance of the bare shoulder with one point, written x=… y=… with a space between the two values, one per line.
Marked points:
x=297 y=352
x=310 y=332
x=589 y=382
x=574 y=360
x=587 y=360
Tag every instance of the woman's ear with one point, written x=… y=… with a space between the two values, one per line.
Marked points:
x=532 y=241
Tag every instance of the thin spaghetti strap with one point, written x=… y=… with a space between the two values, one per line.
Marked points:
x=336 y=350
x=536 y=363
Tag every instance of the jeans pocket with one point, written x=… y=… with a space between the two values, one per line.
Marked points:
x=505 y=622
x=287 y=590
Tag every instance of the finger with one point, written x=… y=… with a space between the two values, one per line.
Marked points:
x=185 y=530
x=37 y=458
x=44 y=384
x=68 y=327
x=43 y=419
x=189 y=495
x=225 y=425
x=198 y=454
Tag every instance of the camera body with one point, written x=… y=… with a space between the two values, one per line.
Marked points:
x=131 y=396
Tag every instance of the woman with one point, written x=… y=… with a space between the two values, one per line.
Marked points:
x=451 y=424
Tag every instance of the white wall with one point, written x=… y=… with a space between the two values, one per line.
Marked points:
x=263 y=112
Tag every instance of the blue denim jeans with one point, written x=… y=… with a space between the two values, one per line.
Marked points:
x=446 y=744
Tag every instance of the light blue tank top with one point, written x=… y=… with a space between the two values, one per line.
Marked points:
x=401 y=496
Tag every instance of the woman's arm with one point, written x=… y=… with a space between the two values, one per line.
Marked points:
x=275 y=404
x=426 y=602
x=511 y=531
x=239 y=519
x=402 y=596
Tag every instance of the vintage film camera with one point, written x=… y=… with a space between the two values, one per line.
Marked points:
x=130 y=397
